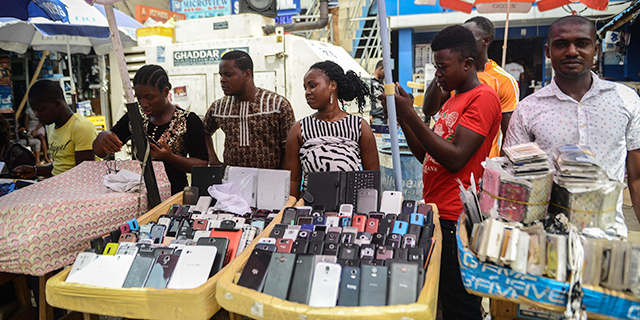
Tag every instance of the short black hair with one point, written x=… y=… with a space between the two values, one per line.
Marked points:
x=485 y=25
x=46 y=89
x=350 y=86
x=573 y=20
x=152 y=75
x=380 y=64
x=457 y=38
x=241 y=59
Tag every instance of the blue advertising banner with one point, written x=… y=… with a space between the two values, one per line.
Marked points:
x=489 y=280
x=195 y=9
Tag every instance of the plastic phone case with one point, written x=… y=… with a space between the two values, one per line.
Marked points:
x=325 y=285
x=403 y=283
x=279 y=276
x=301 y=280
x=349 y=287
x=373 y=285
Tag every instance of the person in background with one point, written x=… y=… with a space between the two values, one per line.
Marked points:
x=334 y=11
x=377 y=114
x=255 y=121
x=330 y=139
x=25 y=138
x=176 y=136
x=11 y=153
x=580 y=108
x=71 y=137
x=460 y=140
x=488 y=73
x=515 y=69
x=36 y=128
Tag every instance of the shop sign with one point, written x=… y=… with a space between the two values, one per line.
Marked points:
x=201 y=57
x=145 y=12
x=284 y=19
x=531 y=312
x=195 y=9
x=288 y=7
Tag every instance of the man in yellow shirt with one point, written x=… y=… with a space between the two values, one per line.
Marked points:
x=489 y=73
x=71 y=137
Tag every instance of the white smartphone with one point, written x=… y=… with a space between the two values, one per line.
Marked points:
x=83 y=260
x=391 y=202
x=346 y=210
x=165 y=221
x=267 y=241
x=193 y=267
x=213 y=224
x=225 y=216
x=332 y=221
x=104 y=271
x=248 y=234
x=127 y=249
x=203 y=204
x=201 y=234
x=291 y=234
x=367 y=201
x=325 y=285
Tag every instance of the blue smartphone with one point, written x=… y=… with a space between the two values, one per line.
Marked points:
x=417 y=218
x=400 y=227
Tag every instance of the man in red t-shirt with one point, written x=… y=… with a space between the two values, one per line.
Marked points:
x=460 y=140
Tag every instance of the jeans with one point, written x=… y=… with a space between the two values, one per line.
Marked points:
x=456 y=302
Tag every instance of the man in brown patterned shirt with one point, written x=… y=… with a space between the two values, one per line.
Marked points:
x=255 y=121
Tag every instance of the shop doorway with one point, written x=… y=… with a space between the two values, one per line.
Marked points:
x=529 y=52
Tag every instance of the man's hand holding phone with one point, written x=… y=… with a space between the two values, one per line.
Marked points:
x=404 y=103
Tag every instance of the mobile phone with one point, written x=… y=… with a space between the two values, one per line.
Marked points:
x=284 y=245
x=258 y=223
x=289 y=216
x=415 y=229
x=234 y=240
x=319 y=221
x=367 y=251
x=373 y=285
x=386 y=225
x=193 y=267
x=403 y=283
x=318 y=210
x=325 y=258
x=347 y=237
x=140 y=267
x=279 y=275
x=221 y=245
x=416 y=255
x=317 y=236
x=331 y=249
x=124 y=229
x=376 y=215
x=161 y=271
x=348 y=251
x=408 y=207
x=291 y=233
x=304 y=234
x=384 y=252
x=315 y=247
x=174 y=209
x=379 y=239
x=332 y=221
x=363 y=238
x=346 y=210
x=372 y=225
x=304 y=211
x=82 y=260
x=367 y=200
x=325 y=285
x=128 y=237
x=302 y=220
x=248 y=234
x=371 y=262
x=332 y=237
x=174 y=227
x=301 y=280
x=110 y=249
x=266 y=247
x=360 y=222
x=200 y=224
x=133 y=225
x=255 y=270
x=203 y=203
x=417 y=219
x=150 y=139
x=401 y=254
x=349 y=287
x=406 y=217
x=394 y=240
x=185 y=231
x=391 y=202
x=97 y=244
x=299 y=246
x=400 y=227
x=127 y=249
x=409 y=241
x=345 y=222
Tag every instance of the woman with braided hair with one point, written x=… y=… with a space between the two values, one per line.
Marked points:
x=177 y=136
x=330 y=139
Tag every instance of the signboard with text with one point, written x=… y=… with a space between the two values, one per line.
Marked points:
x=201 y=57
x=145 y=12
x=195 y=9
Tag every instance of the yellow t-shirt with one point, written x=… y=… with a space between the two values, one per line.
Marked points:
x=508 y=92
x=75 y=135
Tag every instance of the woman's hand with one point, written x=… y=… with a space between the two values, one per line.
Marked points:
x=109 y=142
x=163 y=153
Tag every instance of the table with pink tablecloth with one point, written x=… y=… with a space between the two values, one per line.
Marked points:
x=43 y=227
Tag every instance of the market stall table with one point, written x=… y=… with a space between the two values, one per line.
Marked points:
x=46 y=225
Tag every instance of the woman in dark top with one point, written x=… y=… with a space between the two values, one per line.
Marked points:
x=11 y=153
x=176 y=133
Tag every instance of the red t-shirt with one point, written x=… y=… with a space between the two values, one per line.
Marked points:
x=479 y=111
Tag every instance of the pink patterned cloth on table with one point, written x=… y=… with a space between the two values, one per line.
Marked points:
x=43 y=227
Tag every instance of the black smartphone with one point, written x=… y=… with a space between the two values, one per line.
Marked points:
x=279 y=275
x=299 y=246
x=174 y=227
x=289 y=216
x=406 y=217
x=394 y=240
x=415 y=229
x=349 y=251
x=332 y=237
x=368 y=251
x=349 y=263
x=386 y=225
x=379 y=239
x=317 y=236
x=315 y=247
x=400 y=254
x=331 y=249
x=301 y=280
x=371 y=262
x=305 y=220
x=408 y=207
x=349 y=293
x=266 y=247
x=347 y=237
x=255 y=271
x=278 y=231
x=416 y=255
x=373 y=285
x=98 y=244
x=221 y=244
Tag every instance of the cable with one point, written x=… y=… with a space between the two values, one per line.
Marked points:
x=575 y=309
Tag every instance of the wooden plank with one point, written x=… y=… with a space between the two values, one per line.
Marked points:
x=45 y=310
x=22 y=291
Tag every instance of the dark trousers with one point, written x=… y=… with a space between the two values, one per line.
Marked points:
x=456 y=302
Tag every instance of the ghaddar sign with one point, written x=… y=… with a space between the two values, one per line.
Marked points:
x=195 y=9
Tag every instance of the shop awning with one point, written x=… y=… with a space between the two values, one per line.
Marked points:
x=628 y=14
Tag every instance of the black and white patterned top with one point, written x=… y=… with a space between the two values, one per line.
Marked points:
x=330 y=146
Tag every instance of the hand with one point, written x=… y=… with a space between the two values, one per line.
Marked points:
x=404 y=103
x=213 y=160
x=25 y=171
x=110 y=142
x=161 y=153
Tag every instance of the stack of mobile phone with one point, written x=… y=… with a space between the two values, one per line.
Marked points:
x=181 y=250
x=345 y=258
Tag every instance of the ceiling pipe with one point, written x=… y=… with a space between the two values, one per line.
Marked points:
x=301 y=26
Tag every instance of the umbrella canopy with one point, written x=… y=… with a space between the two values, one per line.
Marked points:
x=87 y=28
x=25 y=9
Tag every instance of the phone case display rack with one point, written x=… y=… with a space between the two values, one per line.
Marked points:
x=145 y=303
x=256 y=305
x=496 y=282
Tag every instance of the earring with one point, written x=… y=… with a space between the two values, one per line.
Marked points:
x=331 y=98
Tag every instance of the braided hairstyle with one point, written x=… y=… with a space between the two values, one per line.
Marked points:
x=350 y=86
x=152 y=75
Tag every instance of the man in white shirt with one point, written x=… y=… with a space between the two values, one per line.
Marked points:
x=579 y=108
x=515 y=70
